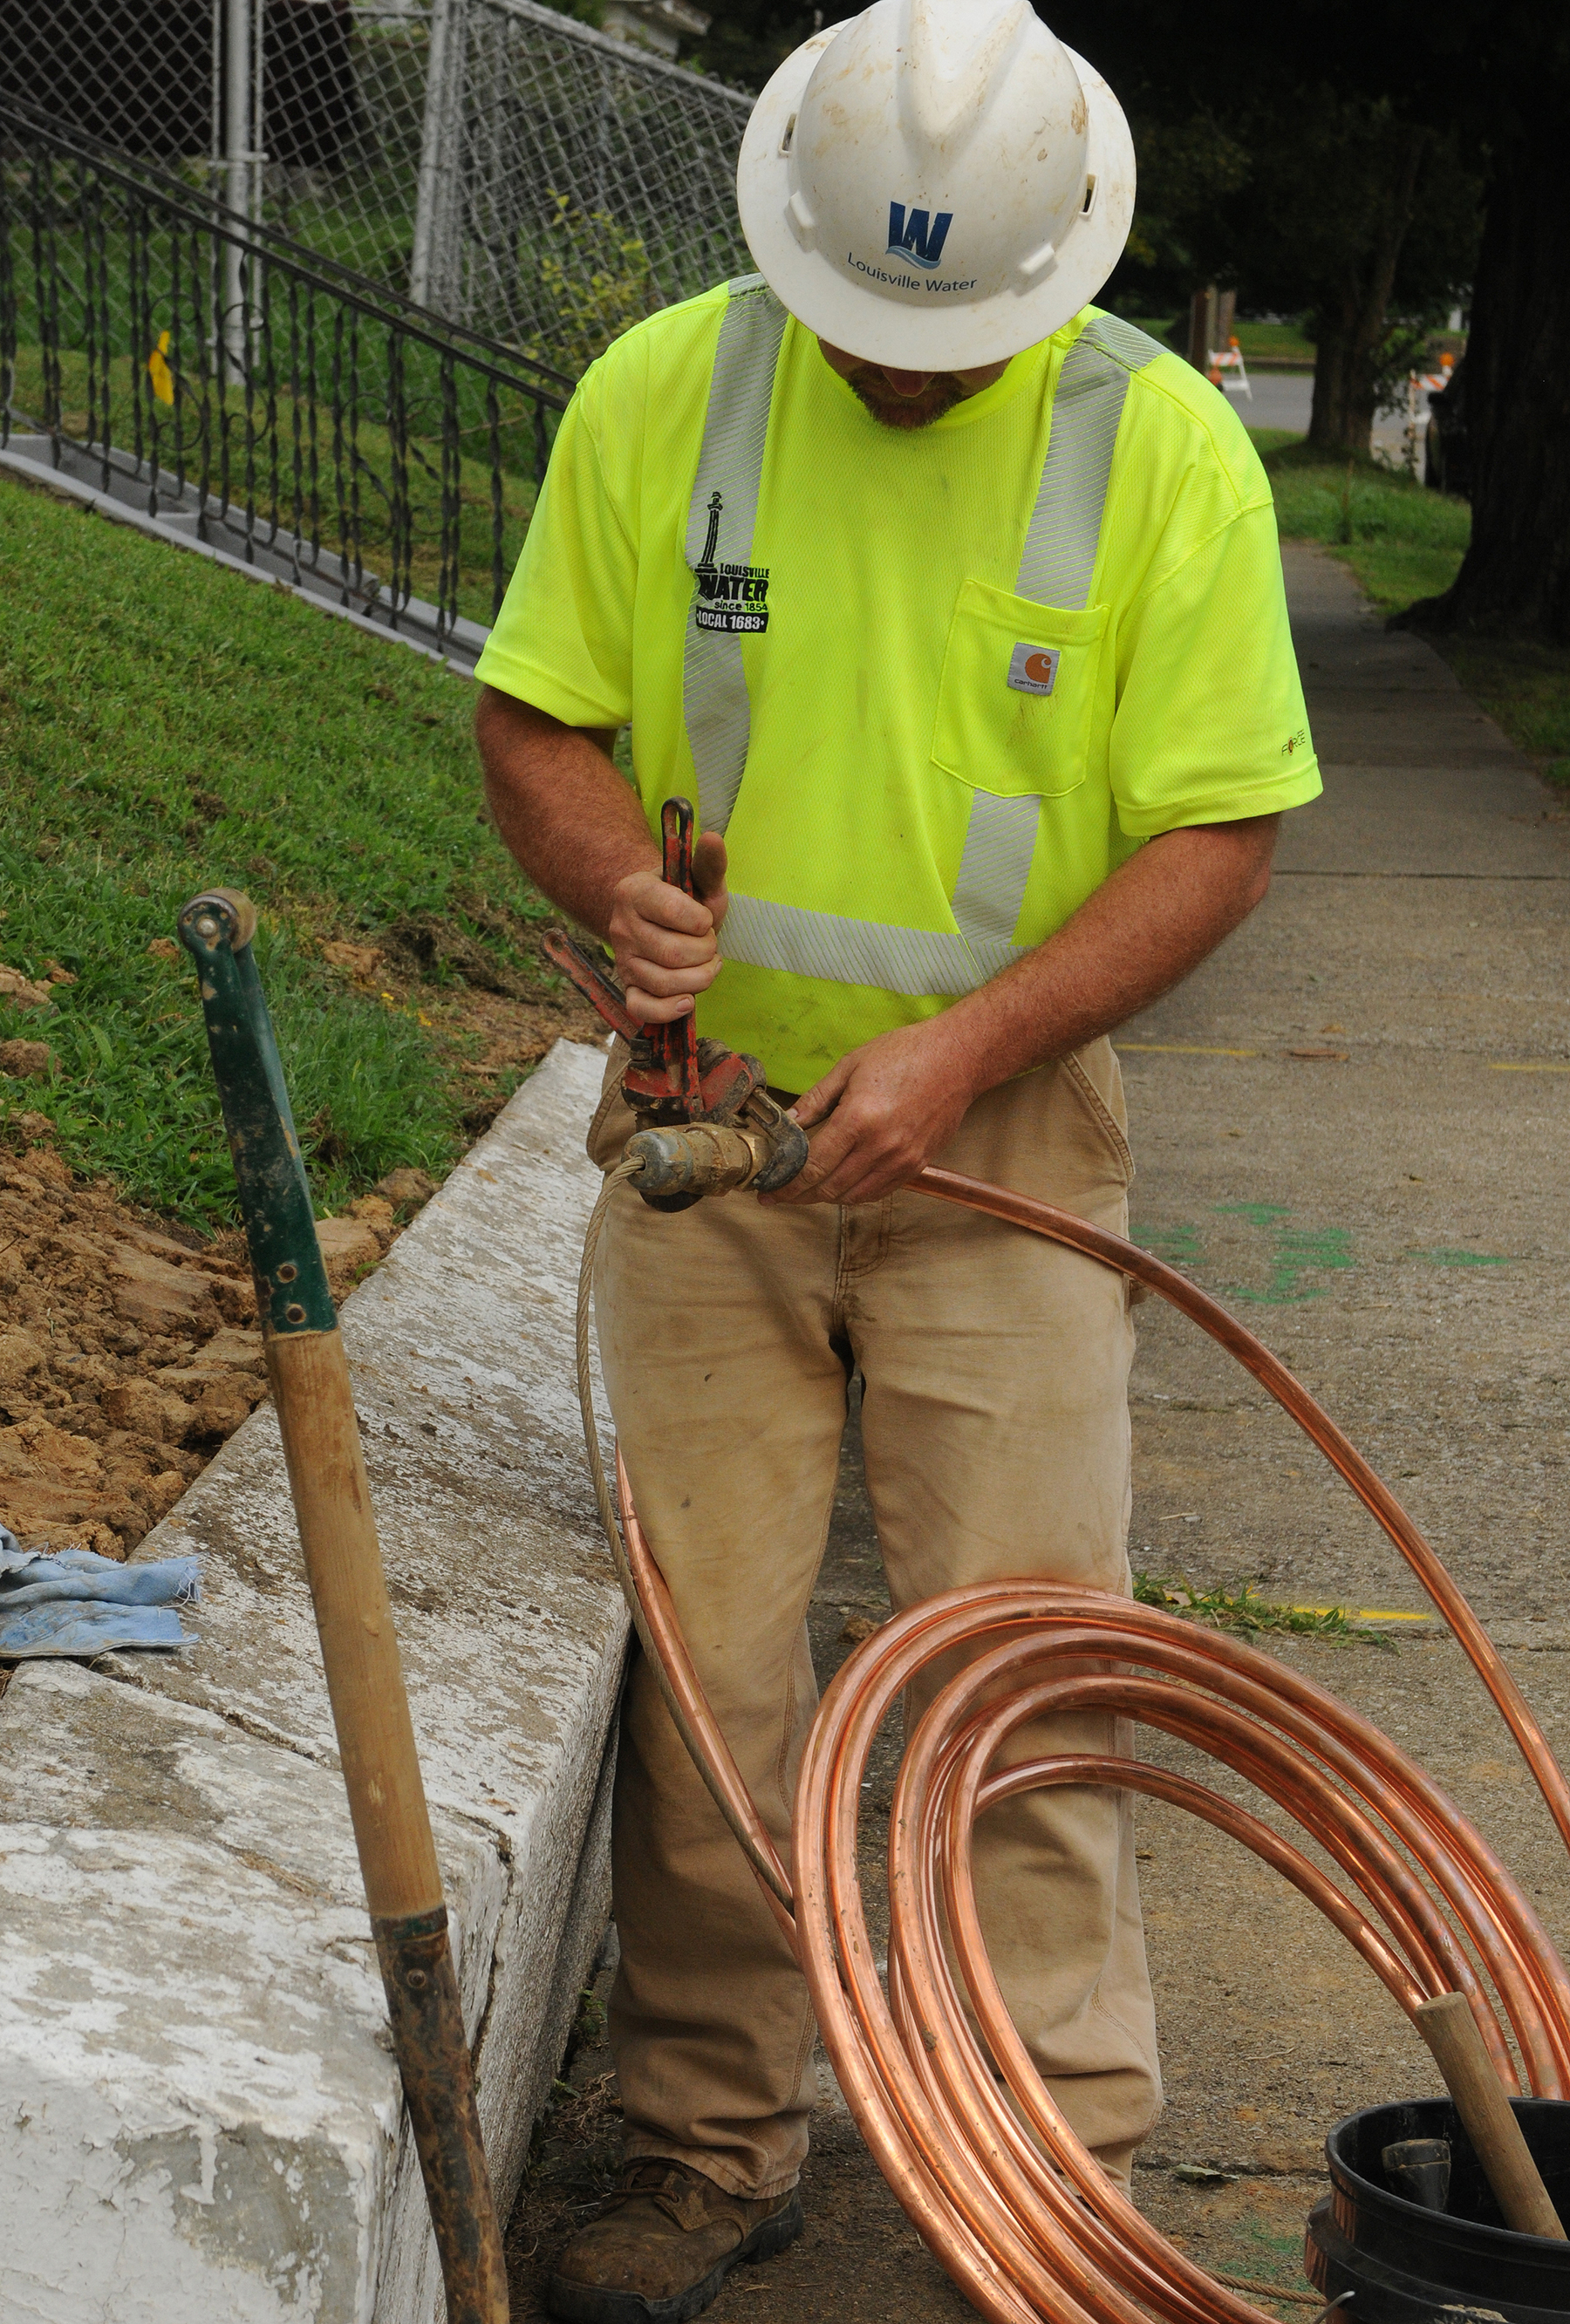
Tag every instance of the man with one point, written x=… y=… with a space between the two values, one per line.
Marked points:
x=957 y=607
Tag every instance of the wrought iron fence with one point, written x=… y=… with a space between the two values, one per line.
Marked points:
x=283 y=410
x=502 y=163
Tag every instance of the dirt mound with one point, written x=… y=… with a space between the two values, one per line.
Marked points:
x=493 y=1020
x=129 y=1349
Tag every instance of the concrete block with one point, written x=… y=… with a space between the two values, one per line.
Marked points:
x=196 y=2088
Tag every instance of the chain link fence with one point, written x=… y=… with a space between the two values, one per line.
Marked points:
x=595 y=184
x=502 y=164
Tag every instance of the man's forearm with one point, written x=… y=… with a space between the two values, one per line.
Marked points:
x=561 y=806
x=1157 y=916
x=579 y=832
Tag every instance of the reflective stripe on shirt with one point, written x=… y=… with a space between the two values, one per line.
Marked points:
x=1055 y=567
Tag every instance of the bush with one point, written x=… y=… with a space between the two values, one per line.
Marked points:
x=596 y=279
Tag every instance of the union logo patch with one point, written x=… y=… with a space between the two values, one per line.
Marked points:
x=733 y=597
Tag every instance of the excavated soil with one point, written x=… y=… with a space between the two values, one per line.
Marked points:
x=128 y=1347
x=129 y=1350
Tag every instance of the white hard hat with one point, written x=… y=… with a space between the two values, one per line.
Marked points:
x=936 y=184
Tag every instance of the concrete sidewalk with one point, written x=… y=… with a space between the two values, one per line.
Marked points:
x=1389 y=1218
x=1392 y=1223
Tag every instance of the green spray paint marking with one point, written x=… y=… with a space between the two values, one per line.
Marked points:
x=1179 y=1246
x=1297 y=1251
x=1465 y=1257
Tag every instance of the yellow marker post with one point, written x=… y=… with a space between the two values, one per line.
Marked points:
x=158 y=370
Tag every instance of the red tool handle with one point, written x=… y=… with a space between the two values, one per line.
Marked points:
x=592 y=981
x=674 y=1046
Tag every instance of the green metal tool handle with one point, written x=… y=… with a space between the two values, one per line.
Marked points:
x=292 y=1284
x=343 y=1562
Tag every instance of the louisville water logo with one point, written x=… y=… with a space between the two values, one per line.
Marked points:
x=917 y=236
x=733 y=597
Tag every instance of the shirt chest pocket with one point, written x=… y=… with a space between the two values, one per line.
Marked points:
x=1016 y=700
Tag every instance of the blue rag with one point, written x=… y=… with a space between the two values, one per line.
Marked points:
x=74 y=1602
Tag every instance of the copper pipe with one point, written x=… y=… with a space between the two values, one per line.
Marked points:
x=695 y=1723
x=1112 y=1250
x=1012 y=2204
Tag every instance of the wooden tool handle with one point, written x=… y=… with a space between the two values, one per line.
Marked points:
x=1449 y=2028
x=342 y=1562
x=310 y=1374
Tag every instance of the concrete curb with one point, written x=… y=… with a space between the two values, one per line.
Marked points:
x=200 y=2114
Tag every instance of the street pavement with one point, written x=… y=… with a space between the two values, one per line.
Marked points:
x=1285 y=398
x=1388 y=1215
x=1350 y=1128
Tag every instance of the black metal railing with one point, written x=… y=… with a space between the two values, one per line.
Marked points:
x=281 y=407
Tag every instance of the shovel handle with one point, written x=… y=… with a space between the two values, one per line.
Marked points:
x=1449 y=2028
x=310 y=1375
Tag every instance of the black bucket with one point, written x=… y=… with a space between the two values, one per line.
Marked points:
x=1405 y=2264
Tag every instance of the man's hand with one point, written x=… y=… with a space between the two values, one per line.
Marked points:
x=579 y=832
x=884 y=1110
x=666 y=944
x=889 y=1106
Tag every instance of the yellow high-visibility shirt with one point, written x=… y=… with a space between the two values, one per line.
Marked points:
x=897 y=680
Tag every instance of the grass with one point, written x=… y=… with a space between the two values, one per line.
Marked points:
x=1405 y=542
x=1402 y=541
x=1526 y=686
x=165 y=727
x=1243 y=1610
x=1276 y=342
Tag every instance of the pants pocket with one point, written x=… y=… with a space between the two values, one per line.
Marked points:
x=1101 y=1114
x=613 y=1122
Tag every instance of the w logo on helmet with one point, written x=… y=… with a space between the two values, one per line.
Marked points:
x=919 y=236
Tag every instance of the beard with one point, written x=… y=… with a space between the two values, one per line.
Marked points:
x=905 y=412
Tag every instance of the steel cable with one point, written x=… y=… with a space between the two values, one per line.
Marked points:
x=938 y=2080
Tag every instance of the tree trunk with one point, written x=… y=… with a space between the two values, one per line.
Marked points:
x=1331 y=425
x=1351 y=325
x=1516 y=575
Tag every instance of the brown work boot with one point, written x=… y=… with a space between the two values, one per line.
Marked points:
x=662 y=2245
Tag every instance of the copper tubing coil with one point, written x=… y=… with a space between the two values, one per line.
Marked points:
x=1006 y=2197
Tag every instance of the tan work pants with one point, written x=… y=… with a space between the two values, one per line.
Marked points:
x=996 y=1433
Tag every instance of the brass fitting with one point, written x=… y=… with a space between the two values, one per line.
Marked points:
x=705 y=1157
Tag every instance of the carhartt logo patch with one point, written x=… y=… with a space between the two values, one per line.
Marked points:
x=1033 y=669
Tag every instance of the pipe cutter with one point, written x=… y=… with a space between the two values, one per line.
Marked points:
x=705 y=1121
